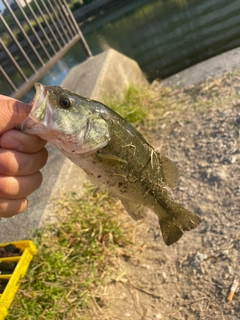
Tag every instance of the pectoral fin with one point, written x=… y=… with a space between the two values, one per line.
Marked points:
x=110 y=159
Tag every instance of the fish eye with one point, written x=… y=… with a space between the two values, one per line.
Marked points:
x=64 y=103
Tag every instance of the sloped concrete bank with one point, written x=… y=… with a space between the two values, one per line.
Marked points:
x=106 y=74
x=224 y=62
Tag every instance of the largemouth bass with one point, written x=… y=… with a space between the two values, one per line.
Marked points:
x=112 y=153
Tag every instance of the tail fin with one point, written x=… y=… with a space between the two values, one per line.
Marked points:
x=174 y=227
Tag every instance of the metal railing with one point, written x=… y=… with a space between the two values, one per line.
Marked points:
x=35 y=37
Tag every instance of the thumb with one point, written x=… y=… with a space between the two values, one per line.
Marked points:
x=12 y=113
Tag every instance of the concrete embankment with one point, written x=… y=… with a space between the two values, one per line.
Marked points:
x=106 y=74
x=224 y=62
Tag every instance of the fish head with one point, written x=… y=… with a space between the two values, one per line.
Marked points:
x=67 y=120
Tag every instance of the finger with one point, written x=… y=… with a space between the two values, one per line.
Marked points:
x=12 y=113
x=14 y=139
x=16 y=188
x=9 y=208
x=14 y=163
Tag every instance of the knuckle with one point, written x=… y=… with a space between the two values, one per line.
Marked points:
x=38 y=178
x=9 y=208
x=16 y=188
x=33 y=144
x=8 y=163
x=44 y=156
x=12 y=164
x=8 y=186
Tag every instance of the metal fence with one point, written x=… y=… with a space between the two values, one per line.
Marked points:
x=33 y=38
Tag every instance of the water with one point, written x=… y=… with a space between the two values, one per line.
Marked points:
x=163 y=36
x=59 y=71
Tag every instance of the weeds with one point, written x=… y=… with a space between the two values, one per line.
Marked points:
x=133 y=106
x=74 y=259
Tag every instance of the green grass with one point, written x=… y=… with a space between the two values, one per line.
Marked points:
x=144 y=103
x=74 y=260
x=133 y=106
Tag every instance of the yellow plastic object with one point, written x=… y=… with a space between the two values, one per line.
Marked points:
x=28 y=250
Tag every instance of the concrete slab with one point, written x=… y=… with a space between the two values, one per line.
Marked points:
x=107 y=74
x=104 y=75
x=227 y=61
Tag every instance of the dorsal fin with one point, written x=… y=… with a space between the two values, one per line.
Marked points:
x=170 y=172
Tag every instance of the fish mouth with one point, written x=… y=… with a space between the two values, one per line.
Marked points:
x=41 y=110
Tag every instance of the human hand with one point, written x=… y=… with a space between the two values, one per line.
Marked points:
x=21 y=158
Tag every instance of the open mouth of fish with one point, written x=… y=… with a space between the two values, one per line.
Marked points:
x=41 y=110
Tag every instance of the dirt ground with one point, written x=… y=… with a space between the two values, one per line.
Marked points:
x=192 y=278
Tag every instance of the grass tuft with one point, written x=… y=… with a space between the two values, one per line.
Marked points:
x=133 y=106
x=74 y=259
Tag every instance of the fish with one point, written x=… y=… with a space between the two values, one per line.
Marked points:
x=114 y=155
